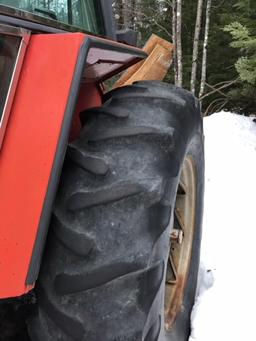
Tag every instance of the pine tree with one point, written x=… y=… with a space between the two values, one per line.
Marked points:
x=246 y=65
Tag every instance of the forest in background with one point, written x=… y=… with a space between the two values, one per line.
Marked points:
x=215 y=55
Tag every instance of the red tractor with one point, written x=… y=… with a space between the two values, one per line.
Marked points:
x=100 y=193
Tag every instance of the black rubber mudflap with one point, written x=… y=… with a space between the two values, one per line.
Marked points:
x=103 y=271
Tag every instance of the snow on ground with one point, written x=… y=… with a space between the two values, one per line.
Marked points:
x=225 y=307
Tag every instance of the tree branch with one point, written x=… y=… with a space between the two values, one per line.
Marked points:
x=217 y=90
x=222 y=87
x=213 y=105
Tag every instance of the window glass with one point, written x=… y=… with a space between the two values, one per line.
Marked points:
x=9 y=47
x=85 y=14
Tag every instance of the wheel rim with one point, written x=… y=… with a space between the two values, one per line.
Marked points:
x=181 y=242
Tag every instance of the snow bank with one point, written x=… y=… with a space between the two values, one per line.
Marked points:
x=226 y=311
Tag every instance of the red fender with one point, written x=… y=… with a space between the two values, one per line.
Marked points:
x=35 y=140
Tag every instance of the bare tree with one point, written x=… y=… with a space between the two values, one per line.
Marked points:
x=174 y=40
x=129 y=7
x=196 y=45
x=118 y=11
x=179 y=44
x=127 y=13
x=206 y=36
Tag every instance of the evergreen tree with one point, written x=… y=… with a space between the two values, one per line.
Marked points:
x=245 y=66
x=225 y=62
x=242 y=40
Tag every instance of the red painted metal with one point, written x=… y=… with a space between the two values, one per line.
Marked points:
x=31 y=140
x=29 y=148
x=30 y=144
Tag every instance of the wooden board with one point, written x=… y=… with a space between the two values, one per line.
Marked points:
x=154 y=67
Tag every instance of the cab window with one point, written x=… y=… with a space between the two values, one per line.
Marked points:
x=9 y=47
x=85 y=14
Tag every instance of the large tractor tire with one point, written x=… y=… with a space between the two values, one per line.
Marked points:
x=122 y=254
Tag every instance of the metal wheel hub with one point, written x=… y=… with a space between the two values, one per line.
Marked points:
x=181 y=241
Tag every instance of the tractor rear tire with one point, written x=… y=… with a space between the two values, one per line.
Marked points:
x=104 y=268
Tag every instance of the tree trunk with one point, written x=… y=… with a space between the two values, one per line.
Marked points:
x=133 y=21
x=206 y=36
x=196 y=44
x=174 y=39
x=179 y=43
x=118 y=10
x=128 y=13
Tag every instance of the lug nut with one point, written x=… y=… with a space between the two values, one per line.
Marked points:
x=177 y=236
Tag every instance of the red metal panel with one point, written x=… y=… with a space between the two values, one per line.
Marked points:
x=32 y=136
x=29 y=148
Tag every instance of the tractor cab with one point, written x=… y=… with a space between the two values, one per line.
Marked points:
x=86 y=15
x=80 y=15
x=21 y=18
